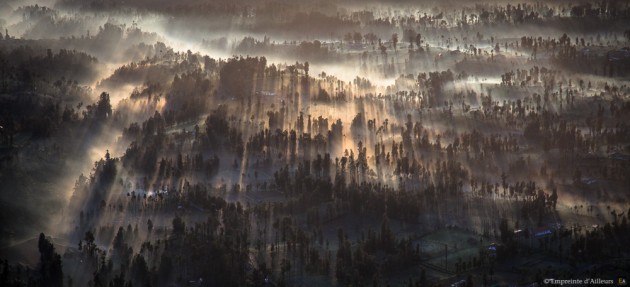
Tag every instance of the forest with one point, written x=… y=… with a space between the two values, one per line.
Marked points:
x=314 y=143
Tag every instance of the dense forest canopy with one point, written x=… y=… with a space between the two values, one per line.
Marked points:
x=313 y=143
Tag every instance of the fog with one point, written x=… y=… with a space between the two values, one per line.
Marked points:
x=333 y=142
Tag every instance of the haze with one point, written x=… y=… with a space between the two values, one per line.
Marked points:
x=314 y=143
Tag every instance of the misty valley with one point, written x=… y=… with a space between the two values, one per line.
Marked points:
x=314 y=143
